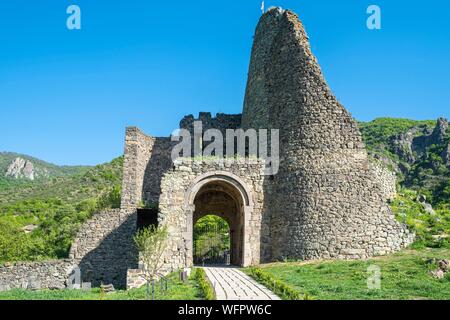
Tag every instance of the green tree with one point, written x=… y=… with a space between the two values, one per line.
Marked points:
x=211 y=237
x=151 y=243
x=14 y=244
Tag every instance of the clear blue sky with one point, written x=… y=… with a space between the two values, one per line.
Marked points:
x=67 y=96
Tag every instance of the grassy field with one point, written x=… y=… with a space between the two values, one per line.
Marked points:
x=404 y=276
x=177 y=290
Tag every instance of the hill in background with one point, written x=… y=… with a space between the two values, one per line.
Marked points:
x=19 y=169
x=39 y=218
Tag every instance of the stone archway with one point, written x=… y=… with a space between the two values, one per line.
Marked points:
x=225 y=195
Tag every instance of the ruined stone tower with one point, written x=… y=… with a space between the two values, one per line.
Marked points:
x=325 y=202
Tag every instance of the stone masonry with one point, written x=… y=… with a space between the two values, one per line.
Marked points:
x=327 y=201
x=104 y=248
x=242 y=180
x=36 y=275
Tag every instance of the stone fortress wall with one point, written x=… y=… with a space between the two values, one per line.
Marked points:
x=221 y=122
x=327 y=201
x=36 y=275
x=104 y=249
x=386 y=178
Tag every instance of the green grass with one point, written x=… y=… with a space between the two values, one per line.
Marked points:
x=404 y=276
x=177 y=290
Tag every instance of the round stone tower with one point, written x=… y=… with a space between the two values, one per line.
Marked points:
x=325 y=202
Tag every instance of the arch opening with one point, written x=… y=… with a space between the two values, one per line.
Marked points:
x=225 y=198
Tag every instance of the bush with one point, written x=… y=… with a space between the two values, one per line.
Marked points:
x=111 y=199
x=14 y=244
x=280 y=288
x=205 y=285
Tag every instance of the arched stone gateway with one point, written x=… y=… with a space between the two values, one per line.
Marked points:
x=231 y=190
x=225 y=195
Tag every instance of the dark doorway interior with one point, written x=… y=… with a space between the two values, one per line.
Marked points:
x=147 y=218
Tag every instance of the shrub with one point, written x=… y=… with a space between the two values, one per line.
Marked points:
x=14 y=244
x=151 y=244
x=111 y=199
x=205 y=285
x=280 y=288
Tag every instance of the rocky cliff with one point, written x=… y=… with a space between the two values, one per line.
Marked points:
x=21 y=169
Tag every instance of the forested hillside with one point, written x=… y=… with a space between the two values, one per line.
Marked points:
x=38 y=219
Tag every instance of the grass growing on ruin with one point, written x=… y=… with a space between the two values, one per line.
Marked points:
x=177 y=290
x=404 y=276
x=431 y=231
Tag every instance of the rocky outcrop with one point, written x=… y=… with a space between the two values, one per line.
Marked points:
x=401 y=145
x=443 y=268
x=422 y=199
x=29 y=228
x=446 y=155
x=21 y=169
x=421 y=143
x=413 y=143
x=440 y=131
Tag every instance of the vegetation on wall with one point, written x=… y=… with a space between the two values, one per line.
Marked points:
x=151 y=243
